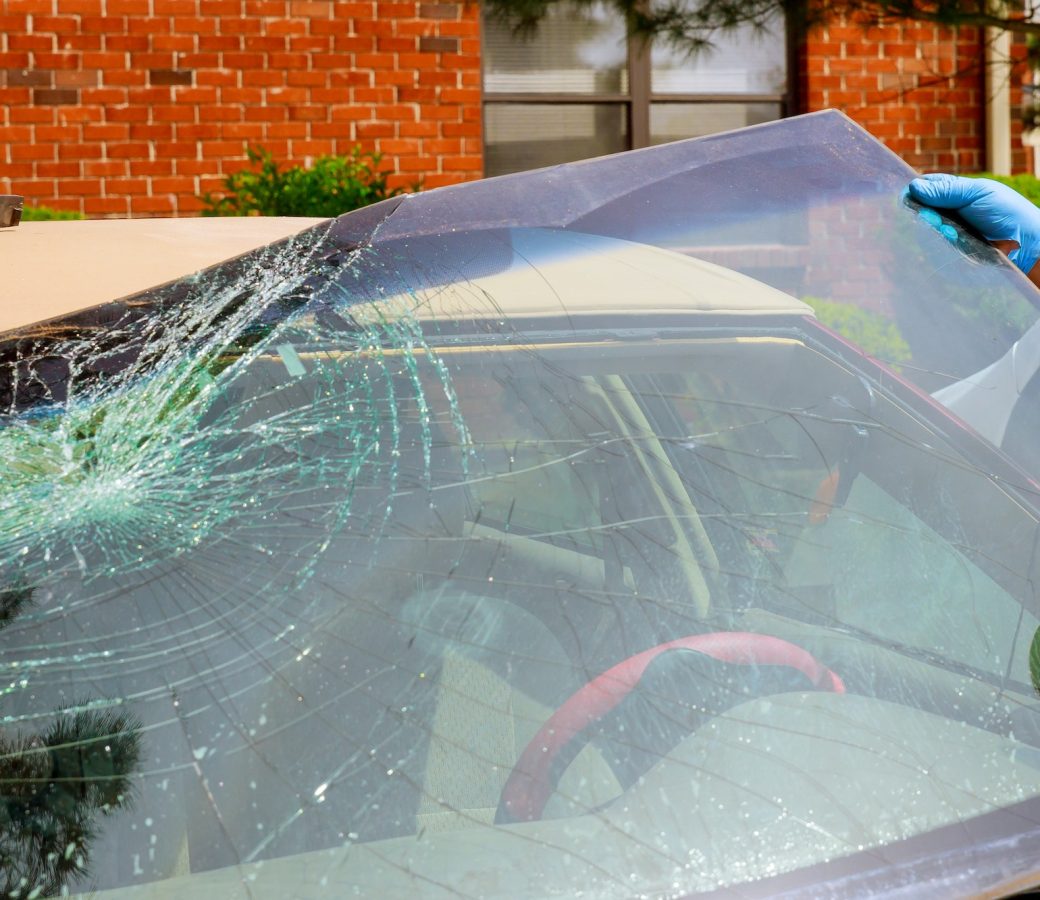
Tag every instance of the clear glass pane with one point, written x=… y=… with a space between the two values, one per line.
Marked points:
x=674 y=121
x=743 y=62
x=528 y=136
x=574 y=50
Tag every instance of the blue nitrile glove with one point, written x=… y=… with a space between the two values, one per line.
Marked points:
x=996 y=211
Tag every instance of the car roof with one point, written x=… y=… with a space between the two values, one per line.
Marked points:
x=55 y=268
x=546 y=272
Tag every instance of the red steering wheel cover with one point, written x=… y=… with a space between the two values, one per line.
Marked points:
x=529 y=787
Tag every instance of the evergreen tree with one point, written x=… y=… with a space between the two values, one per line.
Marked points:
x=54 y=785
x=691 y=25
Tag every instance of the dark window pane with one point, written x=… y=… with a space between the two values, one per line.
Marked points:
x=674 y=121
x=530 y=135
x=574 y=50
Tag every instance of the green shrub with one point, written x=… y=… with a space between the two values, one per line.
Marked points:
x=333 y=185
x=870 y=331
x=47 y=214
x=1027 y=185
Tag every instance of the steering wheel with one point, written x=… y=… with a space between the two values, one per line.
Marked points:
x=530 y=784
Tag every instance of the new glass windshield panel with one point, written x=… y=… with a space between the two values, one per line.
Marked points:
x=518 y=559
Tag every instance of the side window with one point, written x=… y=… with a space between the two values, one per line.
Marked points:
x=534 y=471
x=885 y=571
x=831 y=505
x=570 y=479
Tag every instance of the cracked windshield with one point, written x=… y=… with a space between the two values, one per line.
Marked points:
x=643 y=527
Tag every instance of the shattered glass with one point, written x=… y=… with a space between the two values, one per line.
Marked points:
x=656 y=525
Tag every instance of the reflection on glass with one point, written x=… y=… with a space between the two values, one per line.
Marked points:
x=528 y=136
x=675 y=121
x=59 y=785
x=745 y=61
x=576 y=49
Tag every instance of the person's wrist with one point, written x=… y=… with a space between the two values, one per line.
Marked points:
x=1034 y=274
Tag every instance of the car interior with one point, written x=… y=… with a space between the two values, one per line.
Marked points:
x=567 y=508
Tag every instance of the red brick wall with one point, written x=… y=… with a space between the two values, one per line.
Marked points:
x=135 y=107
x=917 y=87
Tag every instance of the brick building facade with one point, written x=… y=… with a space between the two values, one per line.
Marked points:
x=136 y=107
x=918 y=87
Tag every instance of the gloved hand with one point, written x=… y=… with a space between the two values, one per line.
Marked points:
x=998 y=213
